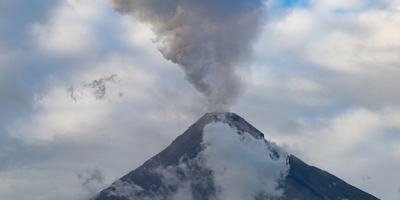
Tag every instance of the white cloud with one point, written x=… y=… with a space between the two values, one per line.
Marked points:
x=69 y=30
x=228 y=153
x=369 y=47
x=347 y=124
x=301 y=84
x=358 y=140
x=332 y=5
x=92 y=181
x=293 y=28
x=58 y=135
x=325 y=78
x=170 y=178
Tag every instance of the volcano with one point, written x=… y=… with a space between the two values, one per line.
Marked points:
x=223 y=157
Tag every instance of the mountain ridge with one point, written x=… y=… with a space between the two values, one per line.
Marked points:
x=303 y=182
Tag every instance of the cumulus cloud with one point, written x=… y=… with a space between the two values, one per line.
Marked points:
x=176 y=183
x=209 y=40
x=92 y=180
x=125 y=189
x=45 y=138
x=317 y=64
x=366 y=48
x=324 y=62
x=322 y=66
x=340 y=5
x=358 y=136
x=243 y=167
x=15 y=30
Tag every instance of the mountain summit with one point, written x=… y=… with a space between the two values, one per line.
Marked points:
x=223 y=157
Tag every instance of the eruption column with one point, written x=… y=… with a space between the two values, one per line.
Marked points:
x=209 y=39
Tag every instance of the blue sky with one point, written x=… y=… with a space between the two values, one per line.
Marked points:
x=322 y=82
x=292 y=3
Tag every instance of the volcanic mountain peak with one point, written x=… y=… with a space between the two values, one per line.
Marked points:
x=233 y=120
x=222 y=157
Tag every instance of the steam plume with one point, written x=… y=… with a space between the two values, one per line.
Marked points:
x=209 y=39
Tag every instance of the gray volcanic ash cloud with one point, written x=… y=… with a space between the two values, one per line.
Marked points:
x=211 y=40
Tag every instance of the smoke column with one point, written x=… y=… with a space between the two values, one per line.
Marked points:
x=209 y=39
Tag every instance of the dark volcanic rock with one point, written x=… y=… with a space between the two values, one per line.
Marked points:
x=303 y=182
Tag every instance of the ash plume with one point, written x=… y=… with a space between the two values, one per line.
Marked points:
x=211 y=40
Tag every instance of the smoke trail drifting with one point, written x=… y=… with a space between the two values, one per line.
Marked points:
x=208 y=39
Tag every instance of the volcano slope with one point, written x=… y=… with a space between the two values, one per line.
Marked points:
x=223 y=157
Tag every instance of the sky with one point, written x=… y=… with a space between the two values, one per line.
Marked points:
x=86 y=95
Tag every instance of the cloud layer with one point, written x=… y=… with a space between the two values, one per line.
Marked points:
x=324 y=76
